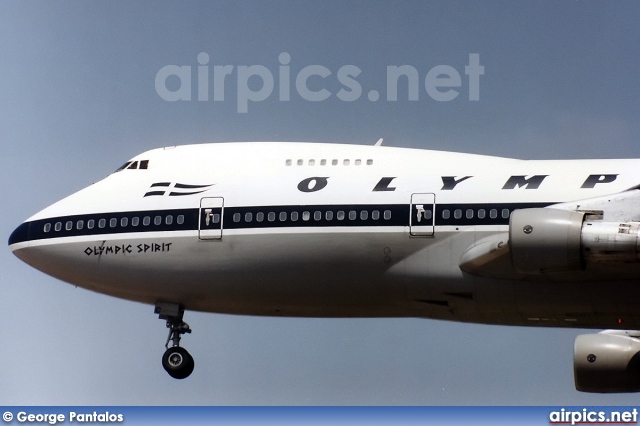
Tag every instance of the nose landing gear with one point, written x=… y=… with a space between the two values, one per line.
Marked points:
x=176 y=360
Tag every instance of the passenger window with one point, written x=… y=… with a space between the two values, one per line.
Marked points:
x=387 y=214
x=358 y=162
x=505 y=213
x=80 y=225
x=135 y=221
x=481 y=214
x=493 y=213
x=168 y=220
x=469 y=214
x=259 y=216
x=113 y=222
x=216 y=218
x=283 y=216
x=334 y=162
x=294 y=216
x=364 y=215
x=323 y=162
x=47 y=227
x=102 y=223
x=68 y=226
x=328 y=215
x=300 y=162
x=287 y=163
x=236 y=217
x=345 y=162
x=58 y=226
x=91 y=223
x=369 y=162
x=248 y=217
x=146 y=221
x=157 y=220
x=457 y=214
x=375 y=215
x=271 y=216
x=180 y=219
x=340 y=215
x=317 y=215
x=306 y=216
x=124 y=222
x=352 y=215
x=446 y=214
x=312 y=162
x=428 y=214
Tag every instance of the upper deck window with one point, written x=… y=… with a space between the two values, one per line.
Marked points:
x=301 y=162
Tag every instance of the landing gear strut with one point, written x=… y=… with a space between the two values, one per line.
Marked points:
x=176 y=360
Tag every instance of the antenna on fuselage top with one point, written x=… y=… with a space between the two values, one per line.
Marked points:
x=379 y=143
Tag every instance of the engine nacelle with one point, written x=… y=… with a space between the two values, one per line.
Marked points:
x=607 y=362
x=546 y=240
x=553 y=240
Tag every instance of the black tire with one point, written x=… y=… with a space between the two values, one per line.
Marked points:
x=178 y=362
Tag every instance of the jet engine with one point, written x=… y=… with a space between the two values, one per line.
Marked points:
x=607 y=362
x=552 y=240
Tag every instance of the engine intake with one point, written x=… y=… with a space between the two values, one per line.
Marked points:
x=607 y=362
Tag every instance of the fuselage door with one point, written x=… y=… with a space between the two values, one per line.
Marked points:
x=421 y=219
x=210 y=218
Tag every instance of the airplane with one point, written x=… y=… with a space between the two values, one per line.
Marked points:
x=302 y=229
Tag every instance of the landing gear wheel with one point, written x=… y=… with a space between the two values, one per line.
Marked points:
x=178 y=362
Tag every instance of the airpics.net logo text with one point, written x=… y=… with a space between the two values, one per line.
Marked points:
x=256 y=83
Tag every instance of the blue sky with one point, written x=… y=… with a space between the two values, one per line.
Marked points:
x=78 y=98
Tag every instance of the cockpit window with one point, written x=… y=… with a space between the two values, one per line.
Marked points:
x=124 y=166
x=134 y=165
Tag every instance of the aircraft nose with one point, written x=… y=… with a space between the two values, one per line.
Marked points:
x=20 y=234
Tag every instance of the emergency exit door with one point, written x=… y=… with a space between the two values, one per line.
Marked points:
x=210 y=218
x=422 y=217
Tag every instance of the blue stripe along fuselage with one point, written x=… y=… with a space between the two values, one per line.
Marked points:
x=35 y=230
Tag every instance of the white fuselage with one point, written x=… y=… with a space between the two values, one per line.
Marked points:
x=302 y=229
